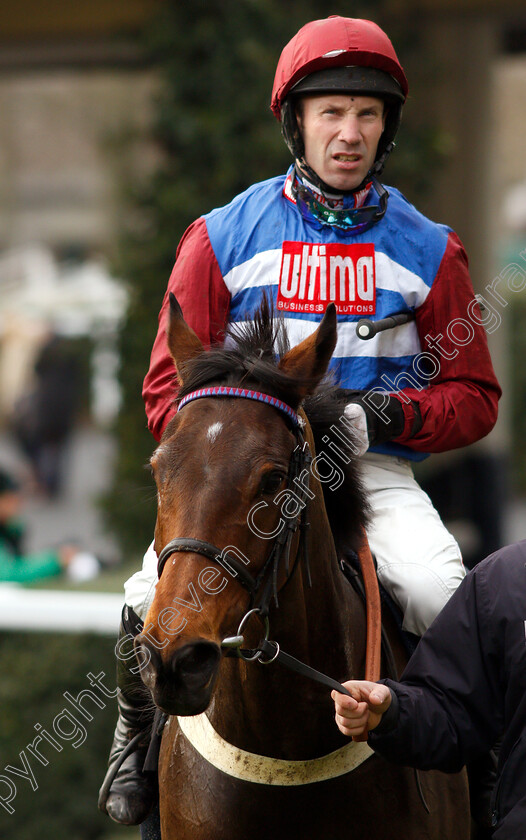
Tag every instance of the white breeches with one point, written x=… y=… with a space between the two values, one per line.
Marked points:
x=419 y=562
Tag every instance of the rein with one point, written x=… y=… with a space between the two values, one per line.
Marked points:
x=264 y=584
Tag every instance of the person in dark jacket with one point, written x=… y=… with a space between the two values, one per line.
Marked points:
x=463 y=688
x=45 y=416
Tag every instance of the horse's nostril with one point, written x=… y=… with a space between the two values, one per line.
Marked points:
x=199 y=658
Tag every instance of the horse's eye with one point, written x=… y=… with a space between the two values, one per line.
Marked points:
x=271 y=482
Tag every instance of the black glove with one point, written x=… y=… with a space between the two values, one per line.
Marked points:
x=385 y=415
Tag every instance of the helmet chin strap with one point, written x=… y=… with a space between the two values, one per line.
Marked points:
x=379 y=164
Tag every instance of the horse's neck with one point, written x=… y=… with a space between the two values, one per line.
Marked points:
x=322 y=624
x=274 y=711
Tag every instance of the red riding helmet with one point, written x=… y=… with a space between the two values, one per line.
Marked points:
x=339 y=55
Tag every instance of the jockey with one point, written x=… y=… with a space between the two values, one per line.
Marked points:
x=328 y=230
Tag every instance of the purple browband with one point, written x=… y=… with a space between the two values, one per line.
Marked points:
x=222 y=391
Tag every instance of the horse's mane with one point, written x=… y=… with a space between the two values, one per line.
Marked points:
x=347 y=506
x=249 y=355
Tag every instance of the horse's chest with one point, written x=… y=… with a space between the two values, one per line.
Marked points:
x=200 y=802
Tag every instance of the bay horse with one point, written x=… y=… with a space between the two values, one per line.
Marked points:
x=251 y=751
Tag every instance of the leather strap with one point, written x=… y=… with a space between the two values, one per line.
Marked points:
x=373 y=656
x=373 y=653
x=230 y=563
x=275 y=654
x=261 y=769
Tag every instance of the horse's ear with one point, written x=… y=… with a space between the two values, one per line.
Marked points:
x=309 y=360
x=183 y=343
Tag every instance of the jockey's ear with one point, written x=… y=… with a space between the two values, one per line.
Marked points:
x=309 y=360
x=183 y=343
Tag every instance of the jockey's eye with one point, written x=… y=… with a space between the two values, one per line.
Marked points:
x=271 y=482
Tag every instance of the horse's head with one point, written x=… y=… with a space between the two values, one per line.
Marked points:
x=222 y=464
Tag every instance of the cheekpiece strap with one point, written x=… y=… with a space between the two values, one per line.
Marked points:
x=224 y=391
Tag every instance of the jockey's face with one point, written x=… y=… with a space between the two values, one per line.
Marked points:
x=341 y=134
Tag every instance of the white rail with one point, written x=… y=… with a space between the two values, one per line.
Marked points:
x=61 y=612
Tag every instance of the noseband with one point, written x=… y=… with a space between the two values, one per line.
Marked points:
x=264 y=586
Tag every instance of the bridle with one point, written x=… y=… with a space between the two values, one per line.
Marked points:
x=262 y=587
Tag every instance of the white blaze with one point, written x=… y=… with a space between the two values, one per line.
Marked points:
x=214 y=431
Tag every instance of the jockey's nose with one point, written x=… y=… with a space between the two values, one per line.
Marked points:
x=350 y=130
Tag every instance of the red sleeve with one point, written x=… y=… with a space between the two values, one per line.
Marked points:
x=459 y=406
x=198 y=285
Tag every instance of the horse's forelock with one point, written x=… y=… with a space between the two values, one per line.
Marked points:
x=250 y=354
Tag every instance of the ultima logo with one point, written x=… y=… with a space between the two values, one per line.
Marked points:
x=313 y=275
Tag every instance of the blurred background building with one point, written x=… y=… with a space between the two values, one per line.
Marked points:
x=74 y=85
x=115 y=133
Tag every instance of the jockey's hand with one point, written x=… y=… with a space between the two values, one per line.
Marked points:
x=377 y=418
x=357 y=419
x=363 y=711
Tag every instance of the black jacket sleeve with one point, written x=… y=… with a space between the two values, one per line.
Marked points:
x=450 y=696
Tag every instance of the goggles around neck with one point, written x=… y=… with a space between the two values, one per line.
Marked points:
x=349 y=219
